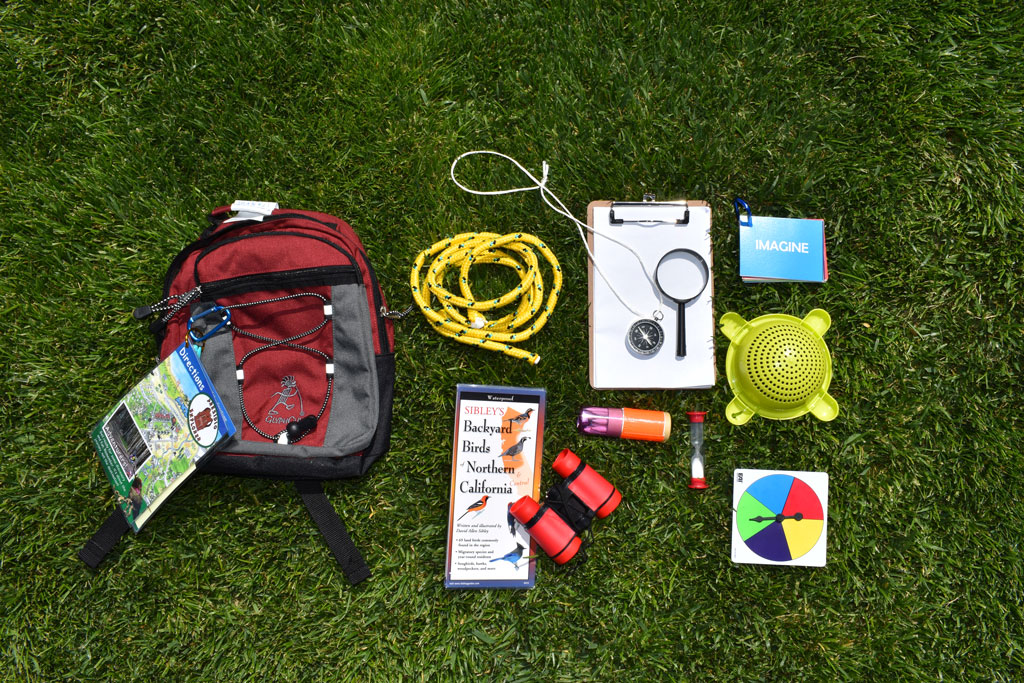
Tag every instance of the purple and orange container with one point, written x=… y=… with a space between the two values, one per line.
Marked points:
x=625 y=423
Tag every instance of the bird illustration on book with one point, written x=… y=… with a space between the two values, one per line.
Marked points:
x=513 y=557
x=521 y=418
x=475 y=507
x=514 y=450
x=511 y=520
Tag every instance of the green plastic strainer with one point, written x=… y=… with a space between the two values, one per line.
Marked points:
x=778 y=367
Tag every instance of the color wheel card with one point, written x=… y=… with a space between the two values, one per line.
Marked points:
x=779 y=517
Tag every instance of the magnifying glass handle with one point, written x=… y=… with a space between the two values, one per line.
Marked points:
x=681 y=330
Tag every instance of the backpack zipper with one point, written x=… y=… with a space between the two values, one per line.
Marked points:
x=306 y=277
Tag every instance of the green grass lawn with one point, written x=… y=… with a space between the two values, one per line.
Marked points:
x=900 y=123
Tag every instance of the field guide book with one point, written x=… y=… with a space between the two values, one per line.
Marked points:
x=157 y=434
x=496 y=460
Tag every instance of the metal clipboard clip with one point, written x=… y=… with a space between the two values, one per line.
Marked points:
x=648 y=200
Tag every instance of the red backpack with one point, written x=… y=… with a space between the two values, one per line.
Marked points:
x=296 y=338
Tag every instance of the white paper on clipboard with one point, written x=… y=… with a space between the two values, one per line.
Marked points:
x=651 y=231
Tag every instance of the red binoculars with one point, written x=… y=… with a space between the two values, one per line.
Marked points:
x=558 y=523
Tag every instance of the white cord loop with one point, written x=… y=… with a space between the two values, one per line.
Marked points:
x=558 y=207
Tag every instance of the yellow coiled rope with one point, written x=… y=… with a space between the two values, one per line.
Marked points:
x=462 y=252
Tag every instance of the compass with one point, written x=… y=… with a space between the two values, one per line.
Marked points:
x=645 y=336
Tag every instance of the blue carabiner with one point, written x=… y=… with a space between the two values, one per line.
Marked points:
x=737 y=203
x=223 y=321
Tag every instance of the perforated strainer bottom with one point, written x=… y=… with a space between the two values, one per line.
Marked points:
x=786 y=363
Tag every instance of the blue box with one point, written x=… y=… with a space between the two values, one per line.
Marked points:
x=781 y=249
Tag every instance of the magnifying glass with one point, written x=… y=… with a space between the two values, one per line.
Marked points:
x=682 y=275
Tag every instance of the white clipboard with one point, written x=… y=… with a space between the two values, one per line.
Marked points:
x=651 y=229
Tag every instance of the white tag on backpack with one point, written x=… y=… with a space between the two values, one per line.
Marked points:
x=250 y=210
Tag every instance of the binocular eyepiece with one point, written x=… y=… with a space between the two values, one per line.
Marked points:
x=558 y=523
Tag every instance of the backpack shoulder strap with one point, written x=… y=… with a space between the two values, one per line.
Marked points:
x=320 y=509
x=104 y=540
x=333 y=529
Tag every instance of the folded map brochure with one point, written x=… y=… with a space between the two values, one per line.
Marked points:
x=781 y=249
x=157 y=434
x=496 y=460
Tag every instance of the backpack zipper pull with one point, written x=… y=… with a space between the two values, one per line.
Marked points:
x=396 y=314
x=143 y=312
x=181 y=300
